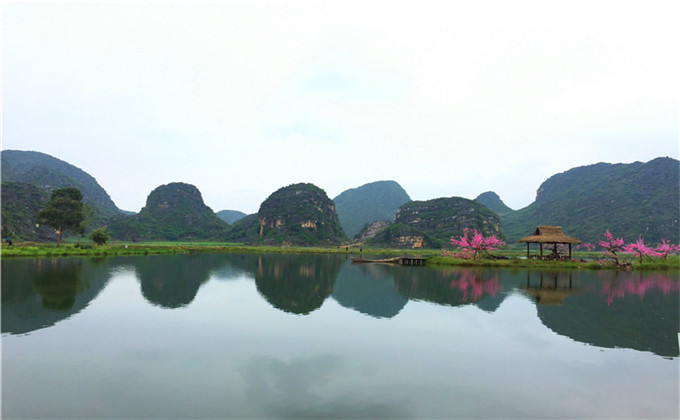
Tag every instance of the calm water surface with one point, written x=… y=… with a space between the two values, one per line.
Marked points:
x=308 y=336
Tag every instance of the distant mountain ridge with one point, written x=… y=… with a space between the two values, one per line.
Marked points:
x=231 y=216
x=494 y=203
x=375 y=201
x=629 y=200
x=50 y=173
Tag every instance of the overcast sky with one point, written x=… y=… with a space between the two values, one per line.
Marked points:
x=240 y=98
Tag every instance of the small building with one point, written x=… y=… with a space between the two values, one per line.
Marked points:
x=549 y=235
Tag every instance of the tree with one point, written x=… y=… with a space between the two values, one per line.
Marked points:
x=472 y=248
x=99 y=236
x=65 y=211
x=640 y=249
x=665 y=248
x=612 y=247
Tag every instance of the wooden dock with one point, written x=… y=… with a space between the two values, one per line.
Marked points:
x=405 y=260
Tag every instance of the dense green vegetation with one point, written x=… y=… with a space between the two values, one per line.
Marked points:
x=432 y=223
x=65 y=212
x=175 y=212
x=49 y=173
x=21 y=203
x=374 y=201
x=299 y=214
x=627 y=199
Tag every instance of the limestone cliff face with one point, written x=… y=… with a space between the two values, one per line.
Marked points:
x=299 y=214
x=371 y=229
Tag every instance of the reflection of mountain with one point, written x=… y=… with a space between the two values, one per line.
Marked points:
x=296 y=283
x=237 y=265
x=172 y=281
x=647 y=322
x=367 y=289
x=39 y=293
x=456 y=287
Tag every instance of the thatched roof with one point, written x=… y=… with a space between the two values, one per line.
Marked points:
x=549 y=235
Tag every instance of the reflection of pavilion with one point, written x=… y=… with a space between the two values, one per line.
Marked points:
x=553 y=290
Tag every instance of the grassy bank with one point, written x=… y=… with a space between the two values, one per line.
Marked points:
x=582 y=260
x=32 y=249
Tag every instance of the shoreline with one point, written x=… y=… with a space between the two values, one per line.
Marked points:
x=585 y=260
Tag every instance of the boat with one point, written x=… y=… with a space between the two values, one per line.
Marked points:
x=405 y=260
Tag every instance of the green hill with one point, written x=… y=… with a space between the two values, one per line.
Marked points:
x=628 y=199
x=432 y=223
x=493 y=202
x=245 y=230
x=299 y=214
x=21 y=203
x=371 y=202
x=50 y=173
x=231 y=216
x=173 y=212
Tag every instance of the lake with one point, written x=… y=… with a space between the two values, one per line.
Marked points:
x=314 y=336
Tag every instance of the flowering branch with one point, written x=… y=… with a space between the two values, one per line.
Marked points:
x=473 y=247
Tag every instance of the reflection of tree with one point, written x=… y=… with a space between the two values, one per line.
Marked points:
x=38 y=293
x=59 y=283
x=637 y=284
x=296 y=283
x=468 y=285
x=172 y=281
x=471 y=282
x=369 y=290
x=648 y=324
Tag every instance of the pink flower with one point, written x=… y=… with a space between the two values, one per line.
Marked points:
x=471 y=248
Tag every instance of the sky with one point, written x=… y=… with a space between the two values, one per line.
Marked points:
x=241 y=98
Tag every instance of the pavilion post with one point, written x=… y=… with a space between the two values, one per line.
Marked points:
x=541 y=250
x=570 y=252
x=527 y=250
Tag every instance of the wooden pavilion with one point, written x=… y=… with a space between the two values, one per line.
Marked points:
x=549 y=235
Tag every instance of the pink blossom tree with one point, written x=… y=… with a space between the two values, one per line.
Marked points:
x=666 y=248
x=640 y=249
x=612 y=247
x=475 y=246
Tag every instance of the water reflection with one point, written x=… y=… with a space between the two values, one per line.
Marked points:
x=37 y=293
x=369 y=289
x=296 y=283
x=644 y=315
x=453 y=287
x=618 y=285
x=306 y=388
x=171 y=282
x=552 y=288
x=603 y=308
